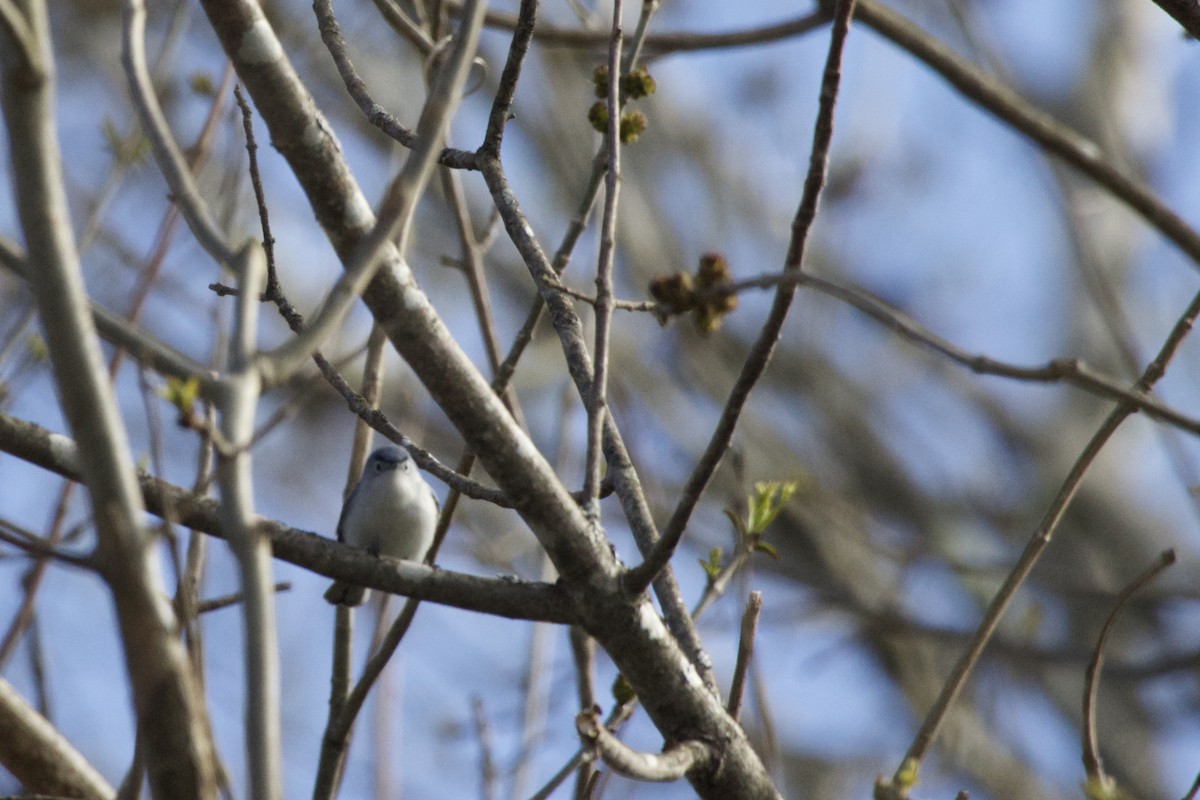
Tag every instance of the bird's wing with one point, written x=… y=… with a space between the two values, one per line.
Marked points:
x=345 y=507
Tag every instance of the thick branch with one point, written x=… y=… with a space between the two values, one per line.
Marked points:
x=167 y=154
x=178 y=750
x=39 y=756
x=1013 y=110
x=504 y=597
x=629 y=629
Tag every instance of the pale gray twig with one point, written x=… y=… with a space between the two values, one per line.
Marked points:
x=167 y=154
x=238 y=401
x=596 y=402
x=396 y=211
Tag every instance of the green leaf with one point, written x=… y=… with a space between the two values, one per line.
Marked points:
x=712 y=565
x=181 y=393
x=767 y=501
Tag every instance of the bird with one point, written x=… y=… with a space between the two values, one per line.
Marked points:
x=391 y=511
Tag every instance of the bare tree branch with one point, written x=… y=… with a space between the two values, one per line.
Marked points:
x=673 y=763
x=745 y=653
x=760 y=354
x=676 y=699
x=579 y=363
x=377 y=115
x=40 y=757
x=179 y=752
x=1034 y=548
x=505 y=597
x=166 y=151
x=596 y=402
x=1097 y=779
x=391 y=230
x=236 y=405
x=1013 y=110
x=1186 y=13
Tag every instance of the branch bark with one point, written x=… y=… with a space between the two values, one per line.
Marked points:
x=179 y=753
x=513 y=599
x=628 y=628
x=40 y=757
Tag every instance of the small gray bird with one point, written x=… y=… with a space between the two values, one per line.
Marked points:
x=392 y=511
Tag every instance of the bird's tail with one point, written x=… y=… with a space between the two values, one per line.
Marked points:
x=345 y=594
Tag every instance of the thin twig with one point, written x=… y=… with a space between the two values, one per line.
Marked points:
x=394 y=221
x=472 y=267
x=1013 y=110
x=227 y=600
x=376 y=114
x=760 y=353
x=170 y=160
x=1036 y=545
x=674 y=41
x=597 y=402
x=1071 y=371
x=401 y=24
x=12 y=21
x=1195 y=790
x=1092 y=765
x=536 y=683
x=455 y=478
x=487 y=763
x=260 y=197
x=745 y=652
x=1059 y=370
x=40 y=548
x=506 y=89
x=583 y=652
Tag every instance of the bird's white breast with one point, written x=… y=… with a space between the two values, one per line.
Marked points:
x=393 y=515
